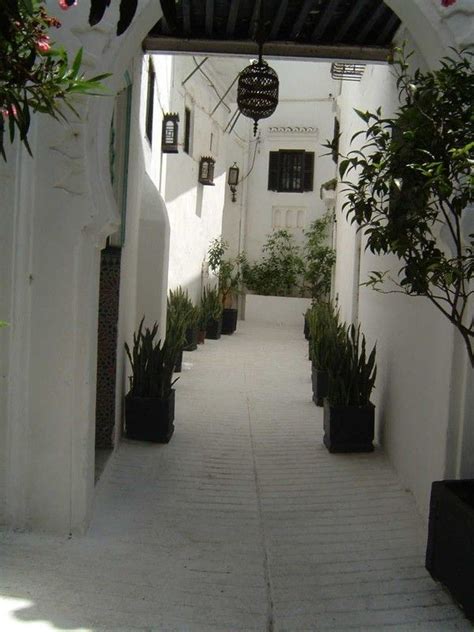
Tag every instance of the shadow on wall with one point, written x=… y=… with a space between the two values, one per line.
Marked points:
x=152 y=253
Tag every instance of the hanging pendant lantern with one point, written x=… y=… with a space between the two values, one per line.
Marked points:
x=257 y=91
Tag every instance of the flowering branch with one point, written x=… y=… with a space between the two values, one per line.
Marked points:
x=34 y=75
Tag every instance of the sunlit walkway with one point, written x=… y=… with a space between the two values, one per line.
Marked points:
x=243 y=522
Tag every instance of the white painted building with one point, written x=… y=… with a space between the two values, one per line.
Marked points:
x=59 y=209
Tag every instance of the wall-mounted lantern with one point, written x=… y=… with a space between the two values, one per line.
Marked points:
x=206 y=170
x=233 y=180
x=169 y=134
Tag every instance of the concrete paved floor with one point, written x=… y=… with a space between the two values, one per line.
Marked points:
x=243 y=522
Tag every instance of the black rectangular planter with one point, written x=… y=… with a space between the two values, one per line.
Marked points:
x=191 y=338
x=348 y=428
x=450 y=549
x=149 y=418
x=229 y=321
x=320 y=382
x=213 y=329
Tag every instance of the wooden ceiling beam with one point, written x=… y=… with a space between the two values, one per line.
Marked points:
x=232 y=19
x=390 y=26
x=187 y=18
x=280 y=14
x=301 y=19
x=245 y=48
x=351 y=18
x=253 y=25
x=209 y=17
x=324 y=20
x=370 y=23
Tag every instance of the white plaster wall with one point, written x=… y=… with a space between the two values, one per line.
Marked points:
x=276 y=310
x=416 y=382
x=11 y=217
x=58 y=218
x=195 y=211
x=307 y=99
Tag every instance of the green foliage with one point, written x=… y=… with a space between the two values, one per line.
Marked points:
x=181 y=314
x=280 y=270
x=180 y=305
x=152 y=363
x=415 y=184
x=217 y=249
x=319 y=259
x=227 y=270
x=352 y=372
x=211 y=306
x=325 y=333
x=34 y=76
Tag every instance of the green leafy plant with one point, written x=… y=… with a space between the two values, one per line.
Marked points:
x=280 y=270
x=152 y=363
x=181 y=307
x=414 y=188
x=325 y=332
x=319 y=259
x=227 y=270
x=352 y=372
x=211 y=305
x=34 y=75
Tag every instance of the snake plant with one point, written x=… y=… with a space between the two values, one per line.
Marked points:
x=152 y=363
x=325 y=334
x=211 y=305
x=352 y=371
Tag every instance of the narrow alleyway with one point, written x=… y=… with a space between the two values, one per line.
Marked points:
x=243 y=522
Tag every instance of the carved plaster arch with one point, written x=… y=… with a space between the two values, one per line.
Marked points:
x=434 y=29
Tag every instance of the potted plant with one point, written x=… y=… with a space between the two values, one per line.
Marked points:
x=450 y=550
x=149 y=404
x=192 y=330
x=229 y=279
x=348 y=411
x=318 y=259
x=412 y=197
x=324 y=329
x=280 y=270
x=202 y=323
x=182 y=313
x=212 y=308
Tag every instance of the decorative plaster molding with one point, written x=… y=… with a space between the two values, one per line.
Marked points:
x=288 y=217
x=297 y=130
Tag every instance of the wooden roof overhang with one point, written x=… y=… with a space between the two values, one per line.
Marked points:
x=355 y=30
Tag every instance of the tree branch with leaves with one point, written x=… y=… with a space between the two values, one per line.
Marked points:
x=412 y=192
x=35 y=76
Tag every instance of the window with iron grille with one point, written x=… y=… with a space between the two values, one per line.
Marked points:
x=291 y=171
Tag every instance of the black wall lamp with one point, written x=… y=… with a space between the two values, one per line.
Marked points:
x=233 y=180
x=206 y=170
x=169 y=134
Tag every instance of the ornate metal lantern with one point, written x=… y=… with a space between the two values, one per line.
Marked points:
x=257 y=91
x=206 y=170
x=233 y=180
x=169 y=134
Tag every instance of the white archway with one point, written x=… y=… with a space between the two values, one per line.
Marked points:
x=68 y=217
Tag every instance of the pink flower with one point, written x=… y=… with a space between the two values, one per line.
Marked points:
x=43 y=44
x=67 y=4
x=7 y=111
x=447 y=3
